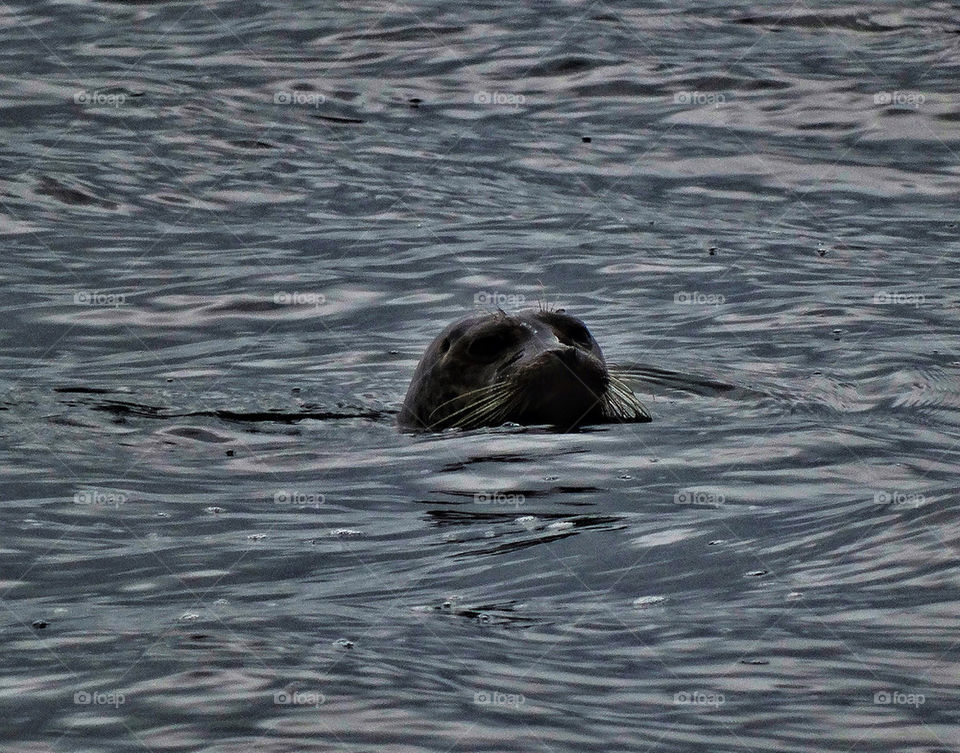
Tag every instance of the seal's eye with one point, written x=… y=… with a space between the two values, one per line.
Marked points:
x=445 y=345
x=488 y=347
x=578 y=334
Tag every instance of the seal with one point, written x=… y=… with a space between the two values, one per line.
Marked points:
x=535 y=366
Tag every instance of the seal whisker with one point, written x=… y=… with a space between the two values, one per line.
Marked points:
x=478 y=409
x=491 y=411
x=624 y=393
x=485 y=388
x=490 y=398
x=490 y=418
x=493 y=404
x=623 y=403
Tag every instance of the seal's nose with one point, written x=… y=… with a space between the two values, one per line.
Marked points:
x=573 y=371
x=566 y=355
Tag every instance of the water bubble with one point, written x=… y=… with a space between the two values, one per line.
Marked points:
x=527 y=521
x=642 y=602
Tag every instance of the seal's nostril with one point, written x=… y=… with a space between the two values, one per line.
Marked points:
x=565 y=355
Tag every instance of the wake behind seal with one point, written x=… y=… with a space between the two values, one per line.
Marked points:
x=531 y=367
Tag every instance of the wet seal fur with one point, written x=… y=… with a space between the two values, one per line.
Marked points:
x=530 y=367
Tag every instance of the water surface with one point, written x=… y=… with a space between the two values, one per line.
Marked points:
x=231 y=228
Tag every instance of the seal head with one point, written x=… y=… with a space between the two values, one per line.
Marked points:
x=532 y=367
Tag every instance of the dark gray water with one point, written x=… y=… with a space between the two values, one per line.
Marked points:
x=229 y=230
